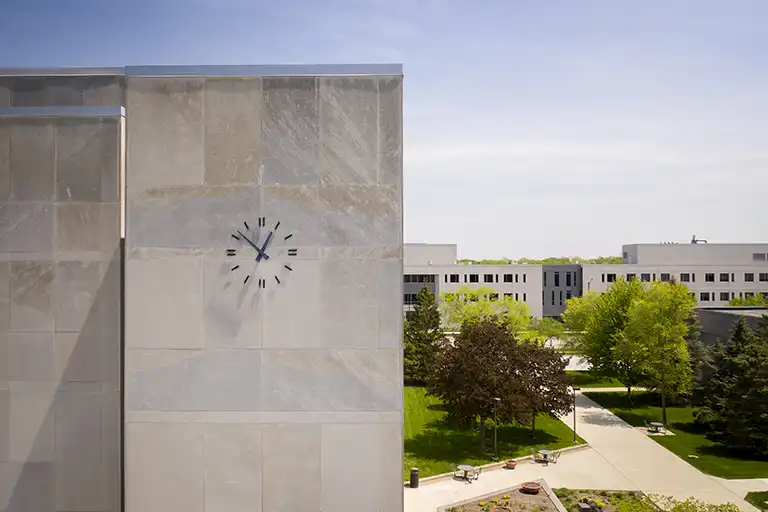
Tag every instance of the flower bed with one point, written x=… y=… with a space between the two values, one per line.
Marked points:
x=510 y=501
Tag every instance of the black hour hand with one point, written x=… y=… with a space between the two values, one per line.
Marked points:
x=262 y=254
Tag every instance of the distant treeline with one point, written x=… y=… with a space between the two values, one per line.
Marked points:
x=554 y=260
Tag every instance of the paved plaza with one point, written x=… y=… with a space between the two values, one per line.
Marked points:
x=619 y=457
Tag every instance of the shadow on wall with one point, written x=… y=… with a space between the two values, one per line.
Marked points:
x=74 y=458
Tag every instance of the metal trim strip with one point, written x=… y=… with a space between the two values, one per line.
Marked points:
x=79 y=71
x=275 y=70
x=62 y=111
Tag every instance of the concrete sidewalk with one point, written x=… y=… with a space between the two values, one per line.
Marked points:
x=649 y=466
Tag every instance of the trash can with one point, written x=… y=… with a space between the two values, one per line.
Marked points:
x=414 y=478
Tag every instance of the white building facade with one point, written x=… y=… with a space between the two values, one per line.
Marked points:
x=714 y=273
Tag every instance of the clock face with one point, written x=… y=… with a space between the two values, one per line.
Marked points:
x=262 y=253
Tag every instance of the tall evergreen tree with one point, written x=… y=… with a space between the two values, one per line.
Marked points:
x=422 y=338
x=734 y=405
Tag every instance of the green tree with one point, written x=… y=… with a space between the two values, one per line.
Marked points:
x=734 y=401
x=598 y=332
x=546 y=388
x=750 y=300
x=541 y=330
x=468 y=305
x=422 y=339
x=657 y=324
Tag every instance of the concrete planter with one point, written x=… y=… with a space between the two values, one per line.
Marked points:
x=510 y=464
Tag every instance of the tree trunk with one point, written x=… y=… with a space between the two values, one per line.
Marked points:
x=533 y=425
x=663 y=400
x=629 y=394
x=482 y=432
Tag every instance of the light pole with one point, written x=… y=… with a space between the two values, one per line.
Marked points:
x=495 y=430
x=575 y=389
x=589 y=283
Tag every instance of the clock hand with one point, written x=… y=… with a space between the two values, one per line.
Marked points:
x=258 y=250
x=264 y=247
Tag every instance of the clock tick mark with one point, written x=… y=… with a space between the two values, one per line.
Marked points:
x=246 y=225
x=234 y=268
x=289 y=268
x=246 y=278
x=293 y=252
x=235 y=237
x=262 y=222
x=289 y=236
x=277 y=225
x=231 y=252
x=277 y=279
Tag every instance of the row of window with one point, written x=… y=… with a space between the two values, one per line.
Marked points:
x=410 y=298
x=725 y=296
x=759 y=256
x=418 y=278
x=570 y=278
x=686 y=277
x=567 y=296
x=487 y=278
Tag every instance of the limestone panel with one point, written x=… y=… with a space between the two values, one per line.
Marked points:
x=5 y=423
x=165 y=132
x=335 y=216
x=33 y=91
x=232 y=130
x=166 y=467
x=87 y=227
x=32 y=160
x=5 y=297
x=29 y=356
x=310 y=380
x=75 y=287
x=233 y=468
x=164 y=296
x=349 y=130
x=350 y=468
x=232 y=309
x=80 y=476
x=27 y=487
x=111 y=446
x=390 y=465
x=390 y=305
x=390 y=131
x=193 y=380
x=192 y=217
x=31 y=293
x=292 y=480
x=291 y=131
x=87 y=160
x=32 y=419
x=350 y=284
x=26 y=227
x=80 y=357
x=5 y=156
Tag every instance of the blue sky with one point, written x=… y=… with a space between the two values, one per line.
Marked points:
x=532 y=128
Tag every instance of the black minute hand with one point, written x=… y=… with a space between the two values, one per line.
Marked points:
x=258 y=249
x=262 y=252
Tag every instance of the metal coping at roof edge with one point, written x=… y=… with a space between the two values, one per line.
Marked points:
x=268 y=70
x=62 y=111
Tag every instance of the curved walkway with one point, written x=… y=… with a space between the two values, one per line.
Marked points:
x=649 y=466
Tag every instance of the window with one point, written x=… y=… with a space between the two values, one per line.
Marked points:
x=409 y=298
x=553 y=297
x=407 y=278
x=567 y=279
x=446 y=278
x=611 y=278
x=704 y=296
x=545 y=279
x=749 y=294
x=630 y=277
x=567 y=294
x=763 y=277
x=693 y=278
x=645 y=277
x=525 y=296
x=733 y=279
x=693 y=295
x=493 y=296
x=654 y=276
x=419 y=278
x=574 y=279
x=516 y=276
x=488 y=278
x=664 y=277
x=603 y=276
x=524 y=277
x=724 y=296
x=723 y=277
x=508 y=278
x=561 y=297
x=685 y=278
x=474 y=278
x=465 y=278
x=454 y=278
x=758 y=256
x=507 y=295
x=749 y=277
x=557 y=278
x=709 y=277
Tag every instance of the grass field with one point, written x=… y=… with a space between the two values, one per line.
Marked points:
x=584 y=379
x=432 y=445
x=758 y=499
x=689 y=439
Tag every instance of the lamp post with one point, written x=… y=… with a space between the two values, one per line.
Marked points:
x=575 y=389
x=495 y=429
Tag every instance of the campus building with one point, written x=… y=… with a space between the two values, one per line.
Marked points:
x=714 y=273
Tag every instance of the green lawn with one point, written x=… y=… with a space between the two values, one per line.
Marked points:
x=689 y=439
x=758 y=499
x=432 y=445
x=584 y=379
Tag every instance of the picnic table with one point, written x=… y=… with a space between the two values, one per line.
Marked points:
x=657 y=426
x=466 y=468
x=545 y=453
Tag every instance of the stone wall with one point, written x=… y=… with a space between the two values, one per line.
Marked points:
x=240 y=398
x=60 y=270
